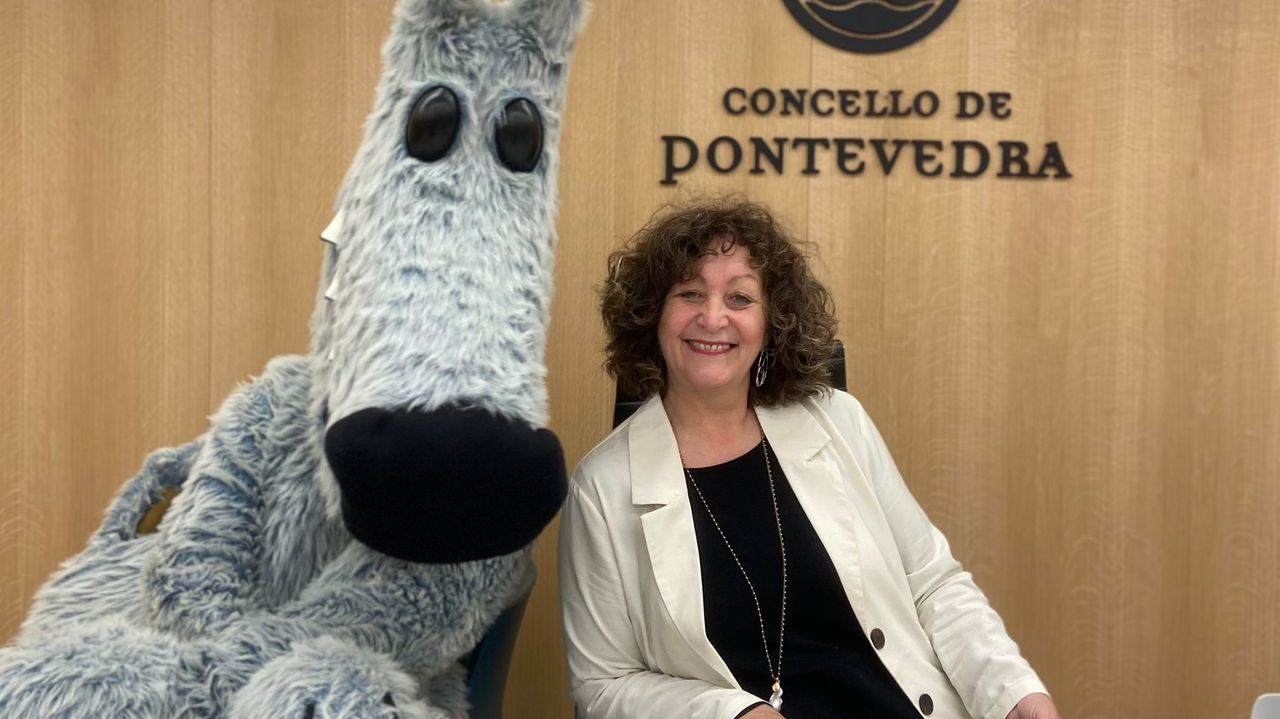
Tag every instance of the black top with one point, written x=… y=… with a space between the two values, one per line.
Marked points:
x=829 y=668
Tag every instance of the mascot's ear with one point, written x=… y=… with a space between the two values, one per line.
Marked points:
x=557 y=22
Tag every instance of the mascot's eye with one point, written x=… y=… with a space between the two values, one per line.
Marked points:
x=386 y=699
x=311 y=711
x=433 y=124
x=519 y=136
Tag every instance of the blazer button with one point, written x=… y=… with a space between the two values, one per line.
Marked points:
x=926 y=704
x=877 y=639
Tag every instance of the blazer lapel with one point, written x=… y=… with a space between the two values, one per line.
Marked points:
x=796 y=440
x=657 y=478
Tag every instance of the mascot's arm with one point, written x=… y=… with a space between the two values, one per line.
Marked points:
x=424 y=616
x=420 y=617
x=142 y=502
x=104 y=580
x=206 y=570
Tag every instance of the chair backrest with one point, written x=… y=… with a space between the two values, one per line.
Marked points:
x=1267 y=707
x=487 y=664
x=625 y=405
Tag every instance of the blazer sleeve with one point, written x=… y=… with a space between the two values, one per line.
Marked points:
x=607 y=675
x=969 y=638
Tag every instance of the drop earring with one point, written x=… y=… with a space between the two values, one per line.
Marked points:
x=762 y=366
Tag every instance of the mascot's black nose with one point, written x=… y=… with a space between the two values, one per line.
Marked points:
x=449 y=485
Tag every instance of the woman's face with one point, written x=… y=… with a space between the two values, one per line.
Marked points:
x=713 y=325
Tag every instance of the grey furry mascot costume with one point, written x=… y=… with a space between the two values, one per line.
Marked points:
x=354 y=519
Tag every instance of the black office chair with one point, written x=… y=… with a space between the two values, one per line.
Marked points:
x=488 y=663
x=625 y=405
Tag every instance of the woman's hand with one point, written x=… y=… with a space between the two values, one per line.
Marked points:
x=764 y=711
x=1033 y=706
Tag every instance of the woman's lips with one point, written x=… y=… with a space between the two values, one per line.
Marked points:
x=709 y=348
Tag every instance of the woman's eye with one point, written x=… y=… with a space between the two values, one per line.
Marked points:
x=740 y=300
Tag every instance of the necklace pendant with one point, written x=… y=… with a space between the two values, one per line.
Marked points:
x=775 y=699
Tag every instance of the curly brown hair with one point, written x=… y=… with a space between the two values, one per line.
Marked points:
x=800 y=317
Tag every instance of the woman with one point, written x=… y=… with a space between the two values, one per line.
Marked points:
x=743 y=546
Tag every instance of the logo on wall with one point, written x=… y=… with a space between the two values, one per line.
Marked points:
x=870 y=26
x=854 y=147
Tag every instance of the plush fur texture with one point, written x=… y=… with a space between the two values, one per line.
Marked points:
x=252 y=599
x=336 y=679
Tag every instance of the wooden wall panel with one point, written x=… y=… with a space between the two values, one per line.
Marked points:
x=14 y=491
x=279 y=125
x=106 y=133
x=1229 y=393
x=1079 y=379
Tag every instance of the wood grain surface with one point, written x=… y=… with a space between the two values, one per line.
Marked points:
x=1080 y=379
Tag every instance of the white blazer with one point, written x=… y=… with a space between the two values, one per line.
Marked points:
x=630 y=579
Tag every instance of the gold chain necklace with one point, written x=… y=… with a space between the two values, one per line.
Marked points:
x=775 y=699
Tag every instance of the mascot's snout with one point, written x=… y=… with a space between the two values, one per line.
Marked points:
x=448 y=485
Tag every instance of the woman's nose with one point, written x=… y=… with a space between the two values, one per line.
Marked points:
x=714 y=314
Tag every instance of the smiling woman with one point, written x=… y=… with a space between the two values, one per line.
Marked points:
x=712 y=325
x=774 y=493
x=673 y=251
